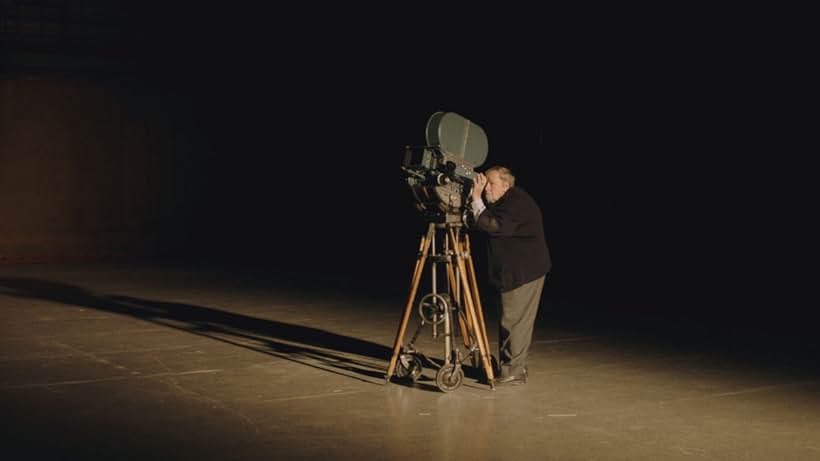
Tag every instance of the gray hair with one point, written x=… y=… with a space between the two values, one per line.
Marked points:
x=504 y=173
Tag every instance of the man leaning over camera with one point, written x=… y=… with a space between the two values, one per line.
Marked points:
x=518 y=261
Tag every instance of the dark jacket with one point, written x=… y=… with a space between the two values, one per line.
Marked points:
x=517 y=252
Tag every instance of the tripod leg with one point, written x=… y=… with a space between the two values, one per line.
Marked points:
x=468 y=297
x=476 y=296
x=454 y=289
x=424 y=246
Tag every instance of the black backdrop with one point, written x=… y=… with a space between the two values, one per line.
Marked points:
x=668 y=190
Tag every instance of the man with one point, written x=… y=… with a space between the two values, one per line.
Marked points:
x=518 y=262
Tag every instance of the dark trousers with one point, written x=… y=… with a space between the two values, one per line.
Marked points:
x=517 y=310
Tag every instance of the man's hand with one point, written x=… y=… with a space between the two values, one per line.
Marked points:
x=479 y=183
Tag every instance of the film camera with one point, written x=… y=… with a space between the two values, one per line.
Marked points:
x=440 y=173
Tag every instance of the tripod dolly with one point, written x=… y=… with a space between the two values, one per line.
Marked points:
x=445 y=244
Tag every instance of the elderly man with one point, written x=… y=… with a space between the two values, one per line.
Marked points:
x=518 y=262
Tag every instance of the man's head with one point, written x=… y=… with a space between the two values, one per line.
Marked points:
x=499 y=180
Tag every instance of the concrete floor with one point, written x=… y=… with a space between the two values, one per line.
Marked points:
x=159 y=362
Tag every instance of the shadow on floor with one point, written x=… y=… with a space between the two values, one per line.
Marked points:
x=314 y=347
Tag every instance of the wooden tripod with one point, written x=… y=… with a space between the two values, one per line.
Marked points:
x=463 y=291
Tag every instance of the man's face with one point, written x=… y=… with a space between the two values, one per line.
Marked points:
x=495 y=187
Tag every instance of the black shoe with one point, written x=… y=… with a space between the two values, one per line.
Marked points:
x=513 y=380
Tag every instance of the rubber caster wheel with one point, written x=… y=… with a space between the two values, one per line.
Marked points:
x=409 y=366
x=449 y=377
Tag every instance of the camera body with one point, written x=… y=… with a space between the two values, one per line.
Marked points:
x=441 y=194
x=440 y=173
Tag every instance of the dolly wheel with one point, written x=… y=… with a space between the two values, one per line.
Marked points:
x=409 y=366
x=449 y=377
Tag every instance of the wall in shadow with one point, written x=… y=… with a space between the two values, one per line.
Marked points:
x=94 y=169
x=661 y=197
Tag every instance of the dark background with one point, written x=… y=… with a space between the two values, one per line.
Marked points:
x=663 y=160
